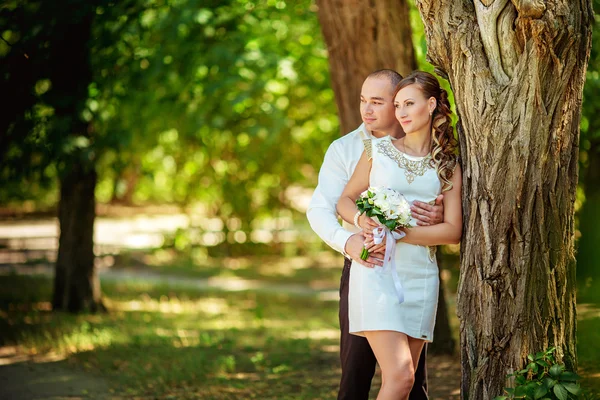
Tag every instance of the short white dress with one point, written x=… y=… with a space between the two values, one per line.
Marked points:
x=373 y=301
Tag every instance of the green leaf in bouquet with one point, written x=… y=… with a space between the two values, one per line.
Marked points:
x=390 y=224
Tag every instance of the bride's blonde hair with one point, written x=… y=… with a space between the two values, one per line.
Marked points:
x=443 y=148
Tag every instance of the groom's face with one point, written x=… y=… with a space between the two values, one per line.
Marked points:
x=377 y=105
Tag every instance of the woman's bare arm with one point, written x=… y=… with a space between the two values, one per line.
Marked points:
x=450 y=230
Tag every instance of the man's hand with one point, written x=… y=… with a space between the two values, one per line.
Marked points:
x=427 y=214
x=354 y=247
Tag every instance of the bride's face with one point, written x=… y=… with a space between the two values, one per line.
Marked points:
x=413 y=110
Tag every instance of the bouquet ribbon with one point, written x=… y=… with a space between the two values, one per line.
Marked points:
x=389 y=263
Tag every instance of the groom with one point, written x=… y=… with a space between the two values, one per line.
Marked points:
x=377 y=111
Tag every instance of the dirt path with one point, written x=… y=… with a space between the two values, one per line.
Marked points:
x=30 y=380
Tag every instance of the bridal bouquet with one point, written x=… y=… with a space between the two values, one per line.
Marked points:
x=388 y=206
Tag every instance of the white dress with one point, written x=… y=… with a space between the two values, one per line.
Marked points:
x=373 y=301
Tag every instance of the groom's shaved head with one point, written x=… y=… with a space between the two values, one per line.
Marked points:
x=388 y=74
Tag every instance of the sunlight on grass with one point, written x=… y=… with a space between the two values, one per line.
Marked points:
x=164 y=341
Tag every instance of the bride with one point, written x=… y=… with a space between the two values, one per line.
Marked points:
x=420 y=165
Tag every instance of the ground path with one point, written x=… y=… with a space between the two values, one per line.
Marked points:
x=27 y=378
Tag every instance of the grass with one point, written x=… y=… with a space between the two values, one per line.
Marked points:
x=160 y=341
x=167 y=342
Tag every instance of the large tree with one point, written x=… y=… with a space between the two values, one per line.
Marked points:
x=361 y=37
x=48 y=64
x=517 y=69
x=49 y=127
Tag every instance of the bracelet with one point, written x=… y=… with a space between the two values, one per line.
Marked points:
x=358 y=214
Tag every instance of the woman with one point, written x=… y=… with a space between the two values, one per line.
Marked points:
x=421 y=165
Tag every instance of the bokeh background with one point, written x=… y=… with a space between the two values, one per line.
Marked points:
x=210 y=122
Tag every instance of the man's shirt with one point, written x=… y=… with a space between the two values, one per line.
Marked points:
x=339 y=163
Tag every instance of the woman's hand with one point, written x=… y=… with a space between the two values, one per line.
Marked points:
x=367 y=224
x=372 y=247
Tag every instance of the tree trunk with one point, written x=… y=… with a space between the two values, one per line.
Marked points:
x=517 y=70
x=76 y=285
x=361 y=37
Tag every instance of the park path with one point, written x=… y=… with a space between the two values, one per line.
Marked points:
x=144 y=275
x=52 y=380
x=27 y=378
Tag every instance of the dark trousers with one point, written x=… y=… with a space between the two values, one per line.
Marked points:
x=358 y=360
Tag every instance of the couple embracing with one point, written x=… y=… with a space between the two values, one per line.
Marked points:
x=387 y=308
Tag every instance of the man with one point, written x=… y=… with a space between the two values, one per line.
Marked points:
x=377 y=111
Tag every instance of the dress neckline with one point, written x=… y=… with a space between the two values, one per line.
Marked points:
x=408 y=156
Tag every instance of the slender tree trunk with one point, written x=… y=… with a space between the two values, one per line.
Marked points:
x=76 y=285
x=517 y=70
x=363 y=36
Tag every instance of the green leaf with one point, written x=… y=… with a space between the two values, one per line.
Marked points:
x=543 y=363
x=556 y=370
x=540 y=391
x=530 y=357
x=520 y=391
x=549 y=383
x=569 y=376
x=560 y=392
x=533 y=367
x=500 y=398
x=572 y=387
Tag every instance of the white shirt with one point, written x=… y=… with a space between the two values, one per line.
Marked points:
x=338 y=166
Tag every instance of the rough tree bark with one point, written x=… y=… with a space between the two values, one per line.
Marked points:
x=517 y=69
x=361 y=37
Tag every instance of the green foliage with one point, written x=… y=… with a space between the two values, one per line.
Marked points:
x=228 y=104
x=588 y=199
x=543 y=378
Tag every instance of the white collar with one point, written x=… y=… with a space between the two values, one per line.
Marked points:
x=366 y=134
